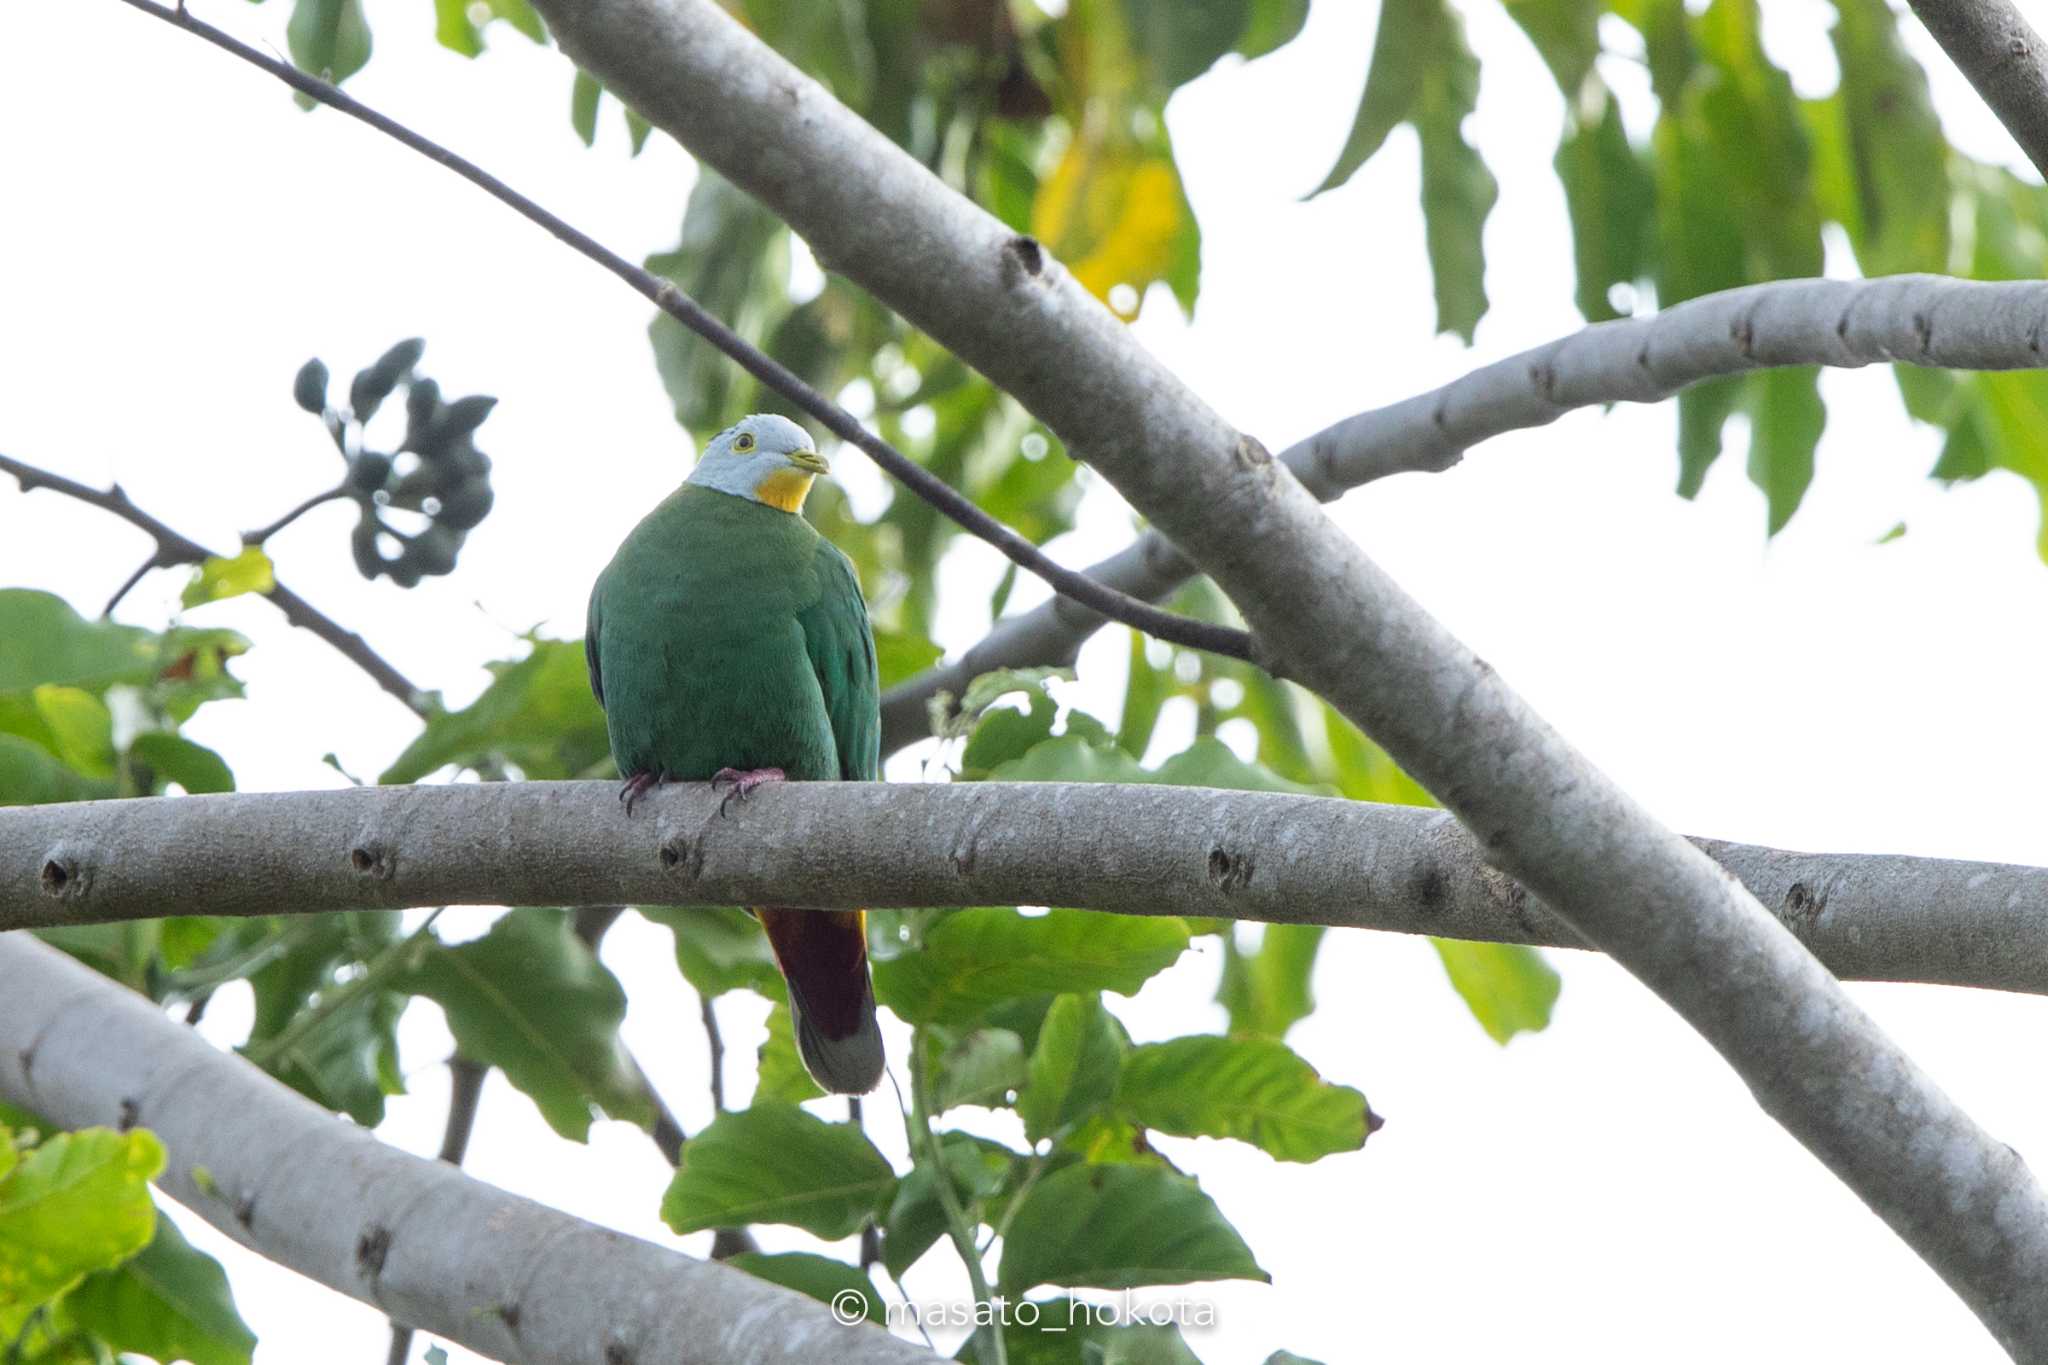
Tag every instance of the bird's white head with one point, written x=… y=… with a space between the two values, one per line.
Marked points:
x=764 y=458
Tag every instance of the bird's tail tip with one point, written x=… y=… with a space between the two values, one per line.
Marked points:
x=823 y=954
x=844 y=1066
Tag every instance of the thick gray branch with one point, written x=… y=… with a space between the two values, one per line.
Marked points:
x=1905 y=319
x=1333 y=619
x=1994 y=45
x=418 y=1239
x=1141 y=850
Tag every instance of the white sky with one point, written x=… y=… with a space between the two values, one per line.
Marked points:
x=176 y=238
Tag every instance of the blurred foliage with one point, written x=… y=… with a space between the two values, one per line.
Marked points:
x=1056 y=124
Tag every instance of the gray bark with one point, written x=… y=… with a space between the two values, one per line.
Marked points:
x=418 y=1239
x=1325 y=614
x=1994 y=45
x=1906 y=319
x=1141 y=850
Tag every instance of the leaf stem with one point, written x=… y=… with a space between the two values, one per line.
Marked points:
x=958 y=1225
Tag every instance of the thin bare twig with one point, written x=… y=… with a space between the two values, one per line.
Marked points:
x=317 y=500
x=174 y=548
x=716 y=1042
x=664 y=294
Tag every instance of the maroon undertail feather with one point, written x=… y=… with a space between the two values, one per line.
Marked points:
x=824 y=956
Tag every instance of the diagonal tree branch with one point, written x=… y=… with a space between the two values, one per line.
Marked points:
x=174 y=548
x=1927 y=320
x=417 y=1239
x=1994 y=45
x=671 y=300
x=1149 y=850
x=1339 y=624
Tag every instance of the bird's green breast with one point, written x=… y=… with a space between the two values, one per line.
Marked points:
x=698 y=632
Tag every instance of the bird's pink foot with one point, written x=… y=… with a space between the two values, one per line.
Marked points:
x=637 y=786
x=743 y=781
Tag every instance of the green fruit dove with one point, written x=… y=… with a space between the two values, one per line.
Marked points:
x=728 y=642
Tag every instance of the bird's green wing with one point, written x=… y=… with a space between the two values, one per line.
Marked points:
x=842 y=649
x=592 y=623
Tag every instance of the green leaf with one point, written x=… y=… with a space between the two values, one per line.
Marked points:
x=1613 y=203
x=1785 y=422
x=1458 y=191
x=350 y=1063
x=973 y=959
x=79 y=728
x=329 y=38
x=1145 y=693
x=31 y=776
x=1267 y=990
x=538 y=715
x=917 y=1218
x=217 y=578
x=1423 y=73
x=1393 y=83
x=1005 y=733
x=76 y=1204
x=780 y=1076
x=42 y=640
x=720 y=949
x=980 y=1066
x=821 y=1277
x=1180 y=42
x=171 y=1301
x=1566 y=35
x=1073 y=1070
x=584 y=97
x=1253 y=1089
x=1209 y=762
x=457 y=30
x=454 y=29
x=1064 y=1331
x=173 y=758
x=1271 y=24
x=1895 y=144
x=900 y=654
x=774 y=1163
x=531 y=999
x=1116 y=1227
x=1509 y=988
x=731 y=250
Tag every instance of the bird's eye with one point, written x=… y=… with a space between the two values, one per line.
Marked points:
x=743 y=442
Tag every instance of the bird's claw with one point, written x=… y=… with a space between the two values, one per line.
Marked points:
x=743 y=781
x=637 y=786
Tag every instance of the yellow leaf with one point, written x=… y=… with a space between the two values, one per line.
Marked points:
x=217 y=578
x=1114 y=214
